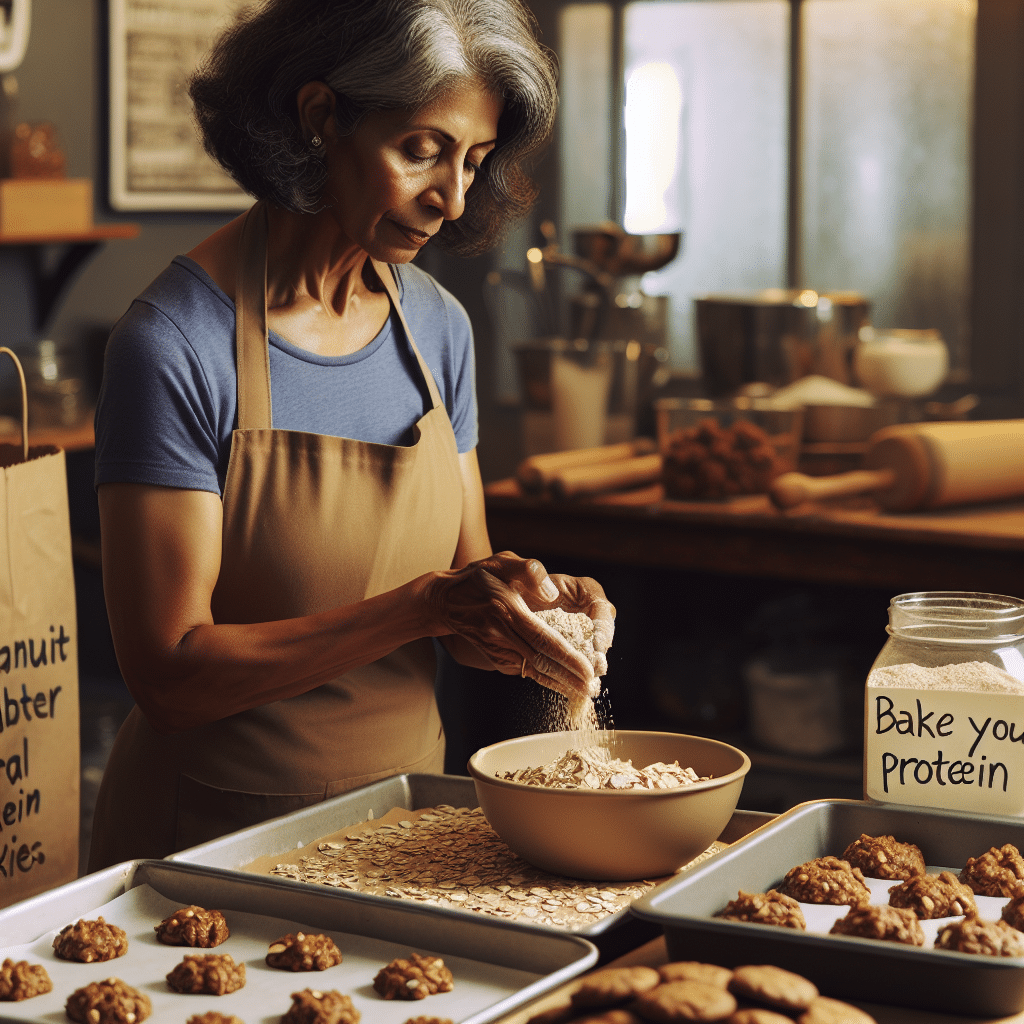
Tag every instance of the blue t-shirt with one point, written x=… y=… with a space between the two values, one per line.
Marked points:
x=168 y=403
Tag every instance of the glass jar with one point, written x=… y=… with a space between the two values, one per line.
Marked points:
x=939 y=628
x=944 y=705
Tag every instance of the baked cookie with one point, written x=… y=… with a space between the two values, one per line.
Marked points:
x=612 y=986
x=973 y=935
x=297 y=951
x=429 y=1020
x=193 y=926
x=826 y=880
x=758 y=1015
x=1013 y=912
x=212 y=974
x=771 y=907
x=415 y=978
x=891 y=924
x=932 y=896
x=22 y=980
x=772 y=986
x=678 y=1001
x=884 y=857
x=91 y=941
x=615 y=1016
x=690 y=970
x=556 y=1015
x=310 y=1006
x=108 y=1002
x=213 y=1017
x=996 y=873
x=831 y=1011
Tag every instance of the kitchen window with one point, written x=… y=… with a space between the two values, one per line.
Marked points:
x=824 y=144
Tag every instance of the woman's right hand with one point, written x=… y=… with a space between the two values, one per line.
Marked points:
x=490 y=603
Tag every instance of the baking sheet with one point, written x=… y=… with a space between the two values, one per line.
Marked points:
x=289 y=838
x=486 y=985
x=843 y=966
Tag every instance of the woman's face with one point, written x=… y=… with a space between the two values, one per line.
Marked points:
x=401 y=174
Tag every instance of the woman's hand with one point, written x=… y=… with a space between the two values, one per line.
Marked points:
x=491 y=602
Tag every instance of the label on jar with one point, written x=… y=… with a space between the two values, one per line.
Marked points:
x=961 y=749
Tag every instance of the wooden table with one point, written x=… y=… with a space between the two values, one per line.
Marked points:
x=978 y=548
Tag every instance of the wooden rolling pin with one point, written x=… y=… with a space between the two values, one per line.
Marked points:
x=539 y=471
x=575 y=481
x=924 y=465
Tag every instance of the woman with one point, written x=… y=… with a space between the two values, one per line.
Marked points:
x=290 y=501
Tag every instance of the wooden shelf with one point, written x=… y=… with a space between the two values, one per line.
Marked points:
x=99 y=233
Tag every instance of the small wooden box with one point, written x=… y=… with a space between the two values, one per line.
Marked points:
x=42 y=206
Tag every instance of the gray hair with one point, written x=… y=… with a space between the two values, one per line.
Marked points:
x=375 y=55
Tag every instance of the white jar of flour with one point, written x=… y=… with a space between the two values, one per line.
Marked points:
x=944 y=705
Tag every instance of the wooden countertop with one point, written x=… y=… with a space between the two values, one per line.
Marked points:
x=977 y=548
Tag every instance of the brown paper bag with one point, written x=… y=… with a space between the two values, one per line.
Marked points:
x=39 y=744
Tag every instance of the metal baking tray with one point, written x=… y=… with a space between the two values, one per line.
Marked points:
x=502 y=967
x=286 y=833
x=844 y=967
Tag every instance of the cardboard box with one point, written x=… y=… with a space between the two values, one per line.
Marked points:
x=42 y=206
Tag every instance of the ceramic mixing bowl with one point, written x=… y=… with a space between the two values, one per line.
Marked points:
x=610 y=835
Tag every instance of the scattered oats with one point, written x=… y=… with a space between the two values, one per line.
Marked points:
x=594 y=768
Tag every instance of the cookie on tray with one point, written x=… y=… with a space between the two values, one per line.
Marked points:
x=758 y=1015
x=678 y=1001
x=108 y=1002
x=614 y=1016
x=826 y=880
x=613 y=985
x=311 y=1006
x=90 y=942
x=932 y=896
x=691 y=970
x=22 y=980
x=973 y=935
x=298 y=951
x=996 y=873
x=890 y=924
x=212 y=974
x=832 y=1011
x=193 y=926
x=429 y=1020
x=771 y=907
x=213 y=1017
x=414 y=978
x=773 y=987
x=885 y=857
x=1013 y=912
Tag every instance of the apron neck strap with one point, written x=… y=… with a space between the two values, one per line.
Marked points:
x=252 y=353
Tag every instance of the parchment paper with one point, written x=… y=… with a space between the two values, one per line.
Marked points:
x=267 y=992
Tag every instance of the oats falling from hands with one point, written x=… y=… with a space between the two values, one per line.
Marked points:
x=578 y=630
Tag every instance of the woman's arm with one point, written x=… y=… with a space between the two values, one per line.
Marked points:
x=161 y=559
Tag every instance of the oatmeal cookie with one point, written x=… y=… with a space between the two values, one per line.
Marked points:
x=212 y=974
x=555 y=1015
x=91 y=941
x=690 y=970
x=826 y=880
x=193 y=926
x=213 y=1017
x=297 y=951
x=415 y=978
x=108 y=1002
x=678 y=1001
x=22 y=980
x=429 y=1020
x=758 y=1015
x=891 y=924
x=884 y=857
x=973 y=935
x=831 y=1011
x=613 y=985
x=996 y=873
x=771 y=907
x=773 y=987
x=311 y=1006
x=932 y=896
x=614 y=1016
x=1013 y=912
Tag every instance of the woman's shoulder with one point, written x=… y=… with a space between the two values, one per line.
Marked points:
x=423 y=297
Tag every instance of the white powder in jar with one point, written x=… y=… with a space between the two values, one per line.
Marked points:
x=977 y=676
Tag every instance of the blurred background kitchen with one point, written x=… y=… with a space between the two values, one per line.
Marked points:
x=815 y=204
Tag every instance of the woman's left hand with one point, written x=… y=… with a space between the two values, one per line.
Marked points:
x=583 y=594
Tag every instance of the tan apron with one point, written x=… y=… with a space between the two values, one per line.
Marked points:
x=311 y=522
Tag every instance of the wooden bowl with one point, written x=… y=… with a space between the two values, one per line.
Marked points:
x=611 y=835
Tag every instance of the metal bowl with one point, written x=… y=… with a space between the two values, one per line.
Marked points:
x=610 y=835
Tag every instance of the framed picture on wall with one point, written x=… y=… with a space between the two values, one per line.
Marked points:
x=157 y=161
